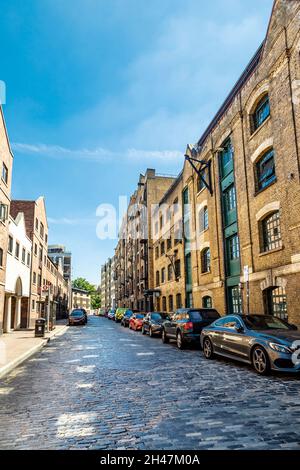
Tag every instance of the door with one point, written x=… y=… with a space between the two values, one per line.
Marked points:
x=235 y=342
x=170 y=325
x=24 y=312
x=13 y=313
x=216 y=335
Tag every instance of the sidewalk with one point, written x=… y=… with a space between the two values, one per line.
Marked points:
x=18 y=346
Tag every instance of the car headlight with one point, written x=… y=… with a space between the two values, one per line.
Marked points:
x=280 y=348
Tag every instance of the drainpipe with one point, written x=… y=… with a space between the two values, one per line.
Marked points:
x=214 y=153
x=246 y=181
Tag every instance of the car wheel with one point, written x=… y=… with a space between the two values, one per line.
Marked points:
x=260 y=361
x=164 y=337
x=208 y=350
x=143 y=331
x=179 y=341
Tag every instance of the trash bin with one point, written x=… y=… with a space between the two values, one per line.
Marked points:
x=40 y=324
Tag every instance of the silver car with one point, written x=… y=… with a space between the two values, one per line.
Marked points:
x=264 y=341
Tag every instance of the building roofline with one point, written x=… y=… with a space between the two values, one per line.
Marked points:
x=247 y=73
x=6 y=132
x=171 y=188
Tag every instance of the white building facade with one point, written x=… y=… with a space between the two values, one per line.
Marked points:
x=18 y=270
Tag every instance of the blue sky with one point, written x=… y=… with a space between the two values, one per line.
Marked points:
x=99 y=90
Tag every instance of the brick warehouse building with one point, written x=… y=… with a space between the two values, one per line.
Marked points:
x=45 y=276
x=240 y=184
x=134 y=272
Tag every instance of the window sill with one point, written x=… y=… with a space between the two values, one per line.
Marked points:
x=256 y=193
x=259 y=128
x=275 y=250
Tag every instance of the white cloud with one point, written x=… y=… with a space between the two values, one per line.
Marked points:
x=99 y=155
x=70 y=221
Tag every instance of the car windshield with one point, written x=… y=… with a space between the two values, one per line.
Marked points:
x=140 y=316
x=265 y=322
x=77 y=313
x=159 y=316
x=128 y=314
x=197 y=315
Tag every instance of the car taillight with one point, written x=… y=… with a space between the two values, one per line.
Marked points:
x=188 y=326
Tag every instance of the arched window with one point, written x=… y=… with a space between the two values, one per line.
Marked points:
x=164 y=304
x=206 y=260
x=170 y=272
x=265 y=170
x=178 y=301
x=275 y=300
x=271 y=232
x=261 y=112
x=200 y=183
x=207 y=302
x=163 y=275
x=171 y=303
x=157 y=278
x=203 y=219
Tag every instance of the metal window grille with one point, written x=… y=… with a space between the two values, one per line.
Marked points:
x=206 y=260
x=236 y=300
x=265 y=170
x=207 y=302
x=279 y=303
x=272 y=232
x=261 y=113
x=234 y=247
x=230 y=197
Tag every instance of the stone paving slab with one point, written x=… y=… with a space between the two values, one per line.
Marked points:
x=90 y=390
x=18 y=346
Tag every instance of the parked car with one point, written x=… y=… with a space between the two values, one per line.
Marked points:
x=111 y=314
x=85 y=314
x=125 y=320
x=77 y=317
x=264 y=341
x=120 y=313
x=152 y=323
x=102 y=312
x=136 y=321
x=186 y=325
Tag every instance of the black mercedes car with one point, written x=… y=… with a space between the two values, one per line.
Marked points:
x=152 y=323
x=265 y=341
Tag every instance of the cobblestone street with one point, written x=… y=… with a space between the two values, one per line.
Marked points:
x=106 y=387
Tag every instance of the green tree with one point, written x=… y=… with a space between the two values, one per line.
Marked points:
x=82 y=283
x=95 y=301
